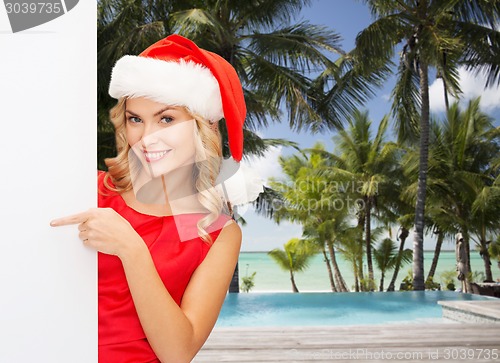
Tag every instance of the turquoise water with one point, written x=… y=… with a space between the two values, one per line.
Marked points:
x=316 y=309
x=270 y=277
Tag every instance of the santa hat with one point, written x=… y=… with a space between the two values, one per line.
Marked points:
x=176 y=72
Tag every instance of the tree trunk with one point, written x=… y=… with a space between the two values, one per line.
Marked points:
x=487 y=266
x=437 y=252
x=371 y=280
x=469 y=269
x=329 y=268
x=341 y=286
x=294 y=286
x=356 y=280
x=485 y=255
x=402 y=237
x=487 y=261
x=381 y=287
x=234 y=286
x=418 y=242
x=359 y=259
x=355 y=270
x=360 y=272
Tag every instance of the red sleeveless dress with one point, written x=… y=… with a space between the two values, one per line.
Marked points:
x=121 y=337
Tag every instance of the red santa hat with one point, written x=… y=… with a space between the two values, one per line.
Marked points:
x=176 y=72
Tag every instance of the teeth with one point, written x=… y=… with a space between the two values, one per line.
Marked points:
x=155 y=155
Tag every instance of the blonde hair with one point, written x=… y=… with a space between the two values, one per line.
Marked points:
x=207 y=166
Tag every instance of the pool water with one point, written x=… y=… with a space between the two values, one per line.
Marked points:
x=316 y=309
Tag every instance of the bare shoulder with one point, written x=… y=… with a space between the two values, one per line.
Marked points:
x=231 y=228
x=230 y=233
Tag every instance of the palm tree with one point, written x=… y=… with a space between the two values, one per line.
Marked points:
x=295 y=257
x=431 y=34
x=486 y=221
x=472 y=143
x=387 y=257
x=399 y=257
x=307 y=199
x=437 y=251
x=331 y=230
x=436 y=222
x=463 y=193
x=310 y=231
x=365 y=165
x=352 y=248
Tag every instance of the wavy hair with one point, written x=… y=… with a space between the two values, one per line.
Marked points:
x=206 y=168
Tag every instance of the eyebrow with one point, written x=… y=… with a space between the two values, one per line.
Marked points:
x=156 y=114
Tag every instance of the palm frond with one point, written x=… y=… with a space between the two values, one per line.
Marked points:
x=482 y=52
x=265 y=14
x=375 y=44
x=300 y=46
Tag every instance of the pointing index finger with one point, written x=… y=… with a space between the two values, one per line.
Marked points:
x=73 y=219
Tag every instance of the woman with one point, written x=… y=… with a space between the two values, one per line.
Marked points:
x=166 y=245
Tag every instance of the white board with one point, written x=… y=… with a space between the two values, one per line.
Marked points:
x=48 y=279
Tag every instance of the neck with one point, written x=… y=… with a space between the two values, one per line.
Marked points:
x=175 y=190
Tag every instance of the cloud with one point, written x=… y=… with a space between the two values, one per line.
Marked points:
x=386 y=97
x=472 y=87
x=267 y=166
x=262 y=234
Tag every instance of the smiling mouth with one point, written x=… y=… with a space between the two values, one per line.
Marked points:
x=152 y=156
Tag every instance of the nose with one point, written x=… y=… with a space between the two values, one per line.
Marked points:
x=150 y=135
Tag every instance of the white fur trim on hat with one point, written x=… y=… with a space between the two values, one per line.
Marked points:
x=173 y=83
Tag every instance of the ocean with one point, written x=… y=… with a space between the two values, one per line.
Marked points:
x=269 y=277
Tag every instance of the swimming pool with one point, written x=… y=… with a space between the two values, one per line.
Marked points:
x=315 y=309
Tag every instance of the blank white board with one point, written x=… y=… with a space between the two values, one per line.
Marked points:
x=48 y=279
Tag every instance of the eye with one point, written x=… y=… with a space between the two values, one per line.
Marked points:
x=134 y=120
x=167 y=119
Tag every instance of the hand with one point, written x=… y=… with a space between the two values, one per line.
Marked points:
x=104 y=230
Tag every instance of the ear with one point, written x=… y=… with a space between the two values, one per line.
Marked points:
x=214 y=125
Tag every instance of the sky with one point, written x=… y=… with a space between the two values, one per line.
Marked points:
x=347 y=18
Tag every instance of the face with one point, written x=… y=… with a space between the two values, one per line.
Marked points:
x=162 y=137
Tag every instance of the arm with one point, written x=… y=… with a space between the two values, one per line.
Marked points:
x=177 y=333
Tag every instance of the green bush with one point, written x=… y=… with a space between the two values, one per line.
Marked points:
x=247 y=282
x=407 y=283
x=431 y=285
x=476 y=276
x=448 y=280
